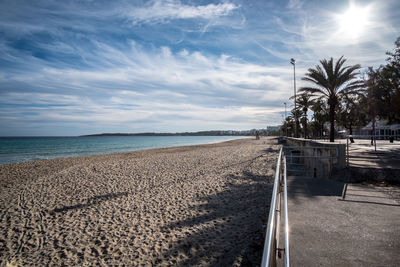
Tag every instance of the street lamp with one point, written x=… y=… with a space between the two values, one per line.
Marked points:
x=285 y=118
x=285 y=109
x=296 y=132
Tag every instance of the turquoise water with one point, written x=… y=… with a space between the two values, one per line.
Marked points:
x=20 y=149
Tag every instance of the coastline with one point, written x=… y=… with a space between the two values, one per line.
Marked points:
x=28 y=149
x=196 y=205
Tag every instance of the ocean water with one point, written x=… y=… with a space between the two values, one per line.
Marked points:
x=21 y=149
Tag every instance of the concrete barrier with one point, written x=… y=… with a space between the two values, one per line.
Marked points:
x=319 y=158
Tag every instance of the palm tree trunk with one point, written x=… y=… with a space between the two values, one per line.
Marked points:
x=332 y=121
x=305 y=127
x=297 y=127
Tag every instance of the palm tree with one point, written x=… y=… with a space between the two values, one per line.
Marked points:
x=288 y=126
x=332 y=81
x=294 y=114
x=319 y=117
x=304 y=102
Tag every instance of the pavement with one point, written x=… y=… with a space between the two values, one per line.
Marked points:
x=364 y=155
x=361 y=230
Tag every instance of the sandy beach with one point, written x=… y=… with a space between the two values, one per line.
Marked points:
x=198 y=205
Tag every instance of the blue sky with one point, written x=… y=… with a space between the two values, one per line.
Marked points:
x=82 y=67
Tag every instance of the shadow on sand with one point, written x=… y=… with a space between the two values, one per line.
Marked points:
x=229 y=228
x=89 y=202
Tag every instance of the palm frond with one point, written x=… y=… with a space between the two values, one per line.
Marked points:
x=313 y=90
x=338 y=66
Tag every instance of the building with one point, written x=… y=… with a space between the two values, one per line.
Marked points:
x=382 y=130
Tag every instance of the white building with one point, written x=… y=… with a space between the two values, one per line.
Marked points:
x=382 y=130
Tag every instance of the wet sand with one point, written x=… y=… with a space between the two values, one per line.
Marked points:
x=198 y=205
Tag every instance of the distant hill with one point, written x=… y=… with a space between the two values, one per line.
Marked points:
x=201 y=133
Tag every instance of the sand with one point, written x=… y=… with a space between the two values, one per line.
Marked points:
x=197 y=205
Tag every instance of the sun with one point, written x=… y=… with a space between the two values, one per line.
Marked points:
x=354 y=21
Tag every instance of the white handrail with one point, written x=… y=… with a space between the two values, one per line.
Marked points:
x=285 y=207
x=272 y=235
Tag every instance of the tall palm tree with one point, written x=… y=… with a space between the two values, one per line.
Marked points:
x=319 y=117
x=294 y=114
x=332 y=81
x=288 y=126
x=304 y=102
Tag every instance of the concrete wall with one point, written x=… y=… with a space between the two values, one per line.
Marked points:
x=319 y=165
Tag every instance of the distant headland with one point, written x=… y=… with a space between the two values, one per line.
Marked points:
x=268 y=131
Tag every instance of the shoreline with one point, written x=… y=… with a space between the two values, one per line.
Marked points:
x=191 y=205
x=96 y=153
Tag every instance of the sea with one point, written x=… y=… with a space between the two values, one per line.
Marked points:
x=22 y=149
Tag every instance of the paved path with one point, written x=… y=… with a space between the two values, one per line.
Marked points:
x=363 y=154
x=387 y=155
x=362 y=230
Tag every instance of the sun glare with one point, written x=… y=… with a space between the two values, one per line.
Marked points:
x=354 y=21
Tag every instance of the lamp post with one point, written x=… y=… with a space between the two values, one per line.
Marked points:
x=285 y=119
x=296 y=131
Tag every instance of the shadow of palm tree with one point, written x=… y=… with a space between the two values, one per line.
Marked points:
x=229 y=230
x=89 y=202
x=305 y=187
x=270 y=150
x=369 y=202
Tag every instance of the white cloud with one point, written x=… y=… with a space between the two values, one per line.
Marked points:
x=181 y=116
x=188 y=87
x=159 y=11
x=325 y=36
x=193 y=74
x=88 y=71
x=295 y=4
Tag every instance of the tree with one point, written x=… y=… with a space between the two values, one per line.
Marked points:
x=351 y=114
x=383 y=88
x=319 y=118
x=332 y=81
x=304 y=102
x=393 y=65
x=295 y=114
x=369 y=101
x=288 y=126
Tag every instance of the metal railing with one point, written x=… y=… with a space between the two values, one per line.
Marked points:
x=272 y=252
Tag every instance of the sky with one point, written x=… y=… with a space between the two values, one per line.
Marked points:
x=85 y=66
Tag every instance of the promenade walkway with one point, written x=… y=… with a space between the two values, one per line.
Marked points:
x=363 y=154
x=361 y=230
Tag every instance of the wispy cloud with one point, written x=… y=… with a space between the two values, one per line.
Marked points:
x=295 y=4
x=326 y=35
x=183 y=73
x=188 y=87
x=91 y=66
x=161 y=11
